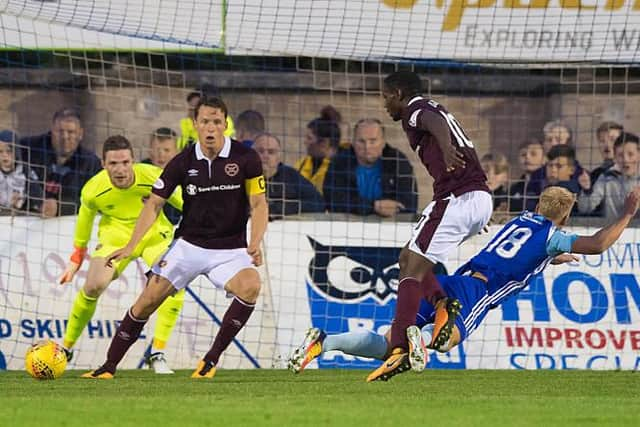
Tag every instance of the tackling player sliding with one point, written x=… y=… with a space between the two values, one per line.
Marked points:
x=506 y=265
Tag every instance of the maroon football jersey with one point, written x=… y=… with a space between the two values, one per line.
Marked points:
x=459 y=181
x=216 y=205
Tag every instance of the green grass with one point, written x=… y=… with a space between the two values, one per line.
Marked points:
x=318 y=398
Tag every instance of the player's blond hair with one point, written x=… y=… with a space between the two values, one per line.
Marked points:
x=556 y=203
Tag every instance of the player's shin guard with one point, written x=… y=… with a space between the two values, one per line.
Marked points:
x=168 y=314
x=407 y=305
x=234 y=319
x=126 y=334
x=81 y=312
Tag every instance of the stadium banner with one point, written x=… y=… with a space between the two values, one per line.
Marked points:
x=338 y=276
x=483 y=30
x=120 y=24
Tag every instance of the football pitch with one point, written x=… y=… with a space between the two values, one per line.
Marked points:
x=329 y=397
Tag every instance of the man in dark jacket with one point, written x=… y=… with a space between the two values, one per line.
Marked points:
x=371 y=176
x=288 y=192
x=66 y=165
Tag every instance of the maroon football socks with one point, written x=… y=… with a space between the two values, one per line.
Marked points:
x=126 y=334
x=431 y=289
x=410 y=293
x=234 y=319
x=407 y=305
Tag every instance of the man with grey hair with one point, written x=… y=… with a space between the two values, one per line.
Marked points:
x=67 y=166
x=288 y=192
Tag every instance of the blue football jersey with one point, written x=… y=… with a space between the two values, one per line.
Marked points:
x=520 y=250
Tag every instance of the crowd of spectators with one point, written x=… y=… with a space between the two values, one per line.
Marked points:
x=553 y=161
x=364 y=175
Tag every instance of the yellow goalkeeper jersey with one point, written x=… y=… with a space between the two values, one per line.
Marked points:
x=119 y=208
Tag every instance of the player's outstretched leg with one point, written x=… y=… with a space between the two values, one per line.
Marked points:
x=446 y=312
x=361 y=343
x=168 y=314
x=418 y=355
x=310 y=348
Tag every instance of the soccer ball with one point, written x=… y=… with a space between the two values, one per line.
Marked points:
x=45 y=360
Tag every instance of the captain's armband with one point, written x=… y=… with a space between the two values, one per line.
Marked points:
x=255 y=185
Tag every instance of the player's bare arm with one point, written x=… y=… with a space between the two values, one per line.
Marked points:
x=435 y=124
x=150 y=211
x=564 y=259
x=259 y=220
x=607 y=236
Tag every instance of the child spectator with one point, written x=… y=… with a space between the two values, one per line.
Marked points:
x=607 y=133
x=611 y=185
x=20 y=188
x=559 y=170
x=532 y=159
x=163 y=146
x=496 y=167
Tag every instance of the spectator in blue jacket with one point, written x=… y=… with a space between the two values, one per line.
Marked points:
x=370 y=177
x=66 y=165
x=288 y=192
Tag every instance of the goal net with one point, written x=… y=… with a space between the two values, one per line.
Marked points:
x=511 y=72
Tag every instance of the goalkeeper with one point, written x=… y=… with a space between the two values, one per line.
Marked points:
x=118 y=193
